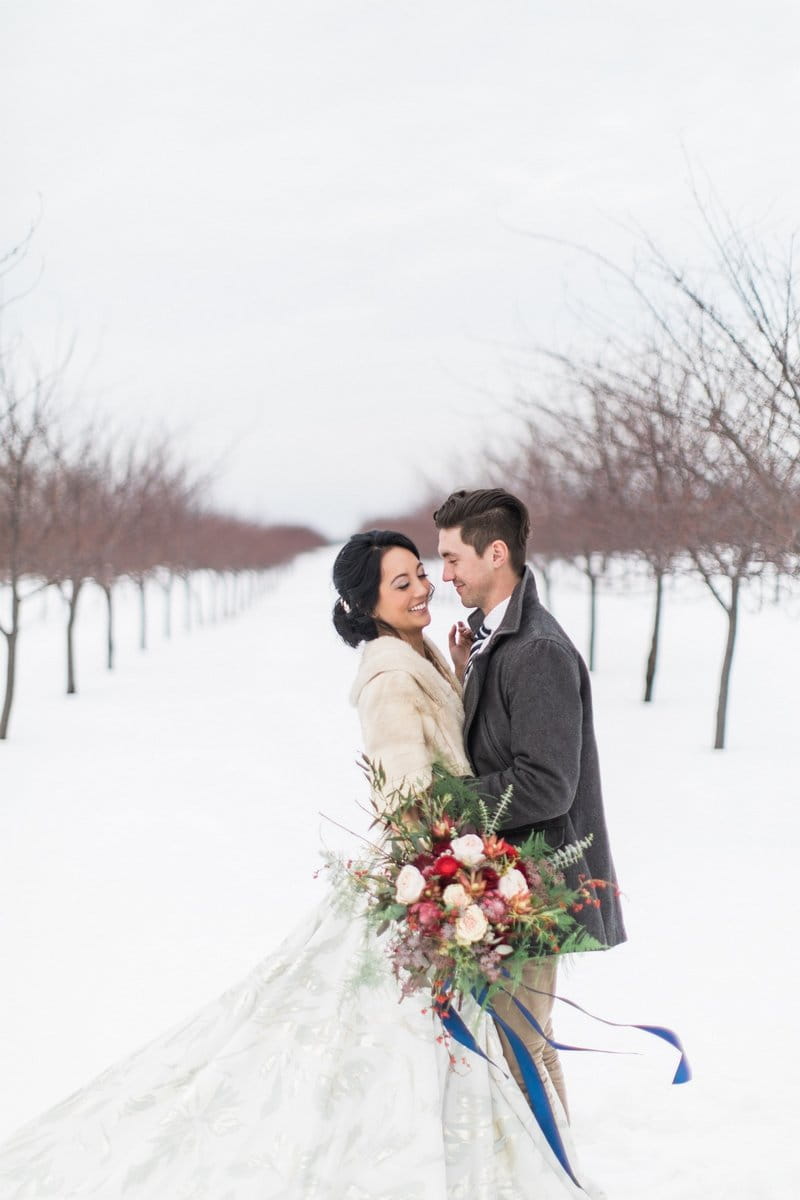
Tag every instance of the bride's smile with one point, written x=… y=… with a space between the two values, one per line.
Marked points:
x=404 y=595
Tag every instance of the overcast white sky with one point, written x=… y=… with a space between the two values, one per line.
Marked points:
x=290 y=230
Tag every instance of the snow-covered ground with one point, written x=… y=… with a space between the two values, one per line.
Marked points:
x=159 y=832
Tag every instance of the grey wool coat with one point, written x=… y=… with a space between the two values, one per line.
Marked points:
x=528 y=722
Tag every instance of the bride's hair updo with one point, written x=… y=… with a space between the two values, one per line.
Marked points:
x=357 y=579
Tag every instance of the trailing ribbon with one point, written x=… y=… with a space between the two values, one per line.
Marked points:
x=537 y=1092
x=683 y=1071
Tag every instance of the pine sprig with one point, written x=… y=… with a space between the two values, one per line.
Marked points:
x=567 y=856
x=460 y=797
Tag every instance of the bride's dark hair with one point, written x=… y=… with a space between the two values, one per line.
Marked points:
x=357 y=579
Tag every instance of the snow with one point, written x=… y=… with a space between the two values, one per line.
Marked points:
x=159 y=833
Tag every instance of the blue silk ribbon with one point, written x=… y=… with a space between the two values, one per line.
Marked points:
x=683 y=1071
x=537 y=1093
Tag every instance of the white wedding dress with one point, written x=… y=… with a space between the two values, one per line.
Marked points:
x=303 y=1082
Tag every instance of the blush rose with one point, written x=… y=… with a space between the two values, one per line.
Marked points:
x=471 y=925
x=513 y=883
x=468 y=849
x=410 y=885
x=455 y=896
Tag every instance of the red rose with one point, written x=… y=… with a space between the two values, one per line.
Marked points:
x=446 y=866
x=490 y=878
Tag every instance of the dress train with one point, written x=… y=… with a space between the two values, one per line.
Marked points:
x=306 y=1081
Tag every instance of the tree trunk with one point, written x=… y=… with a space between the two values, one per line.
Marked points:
x=214 y=598
x=109 y=625
x=142 y=613
x=187 y=607
x=652 y=658
x=73 y=612
x=168 y=607
x=722 y=703
x=11 y=663
x=199 y=598
x=592 y=610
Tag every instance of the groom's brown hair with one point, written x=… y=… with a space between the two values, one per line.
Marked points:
x=485 y=516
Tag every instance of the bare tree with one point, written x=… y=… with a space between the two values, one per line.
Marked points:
x=25 y=431
x=733 y=340
x=629 y=436
x=566 y=471
x=707 y=389
x=83 y=516
x=108 y=567
x=141 y=543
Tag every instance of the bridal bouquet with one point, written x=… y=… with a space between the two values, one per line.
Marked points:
x=464 y=908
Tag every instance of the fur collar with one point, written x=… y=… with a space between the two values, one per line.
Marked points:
x=393 y=654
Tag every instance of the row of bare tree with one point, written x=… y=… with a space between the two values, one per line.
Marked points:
x=678 y=445
x=92 y=509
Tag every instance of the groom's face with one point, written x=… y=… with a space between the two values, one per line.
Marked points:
x=470 y=573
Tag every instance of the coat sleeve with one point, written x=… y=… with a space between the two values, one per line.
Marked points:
x=543 y=699
x=391 y=713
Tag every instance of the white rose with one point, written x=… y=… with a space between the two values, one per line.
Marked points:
x=455 y=896
x=410 y=885
x=468 y=849
x=512 y=883
x=471 y=925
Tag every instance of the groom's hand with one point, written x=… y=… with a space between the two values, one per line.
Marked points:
x=459 y=640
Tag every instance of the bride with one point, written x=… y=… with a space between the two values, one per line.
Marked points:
x=304 y=1080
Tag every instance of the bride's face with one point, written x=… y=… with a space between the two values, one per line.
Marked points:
x=404 y=592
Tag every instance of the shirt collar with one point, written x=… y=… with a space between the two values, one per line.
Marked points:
x=496 y=614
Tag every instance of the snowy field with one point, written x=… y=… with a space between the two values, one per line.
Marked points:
x=159 y=833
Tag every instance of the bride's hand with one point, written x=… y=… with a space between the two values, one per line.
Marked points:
x=459 y=640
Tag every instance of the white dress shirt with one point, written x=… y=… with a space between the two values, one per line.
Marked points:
x=492 y=620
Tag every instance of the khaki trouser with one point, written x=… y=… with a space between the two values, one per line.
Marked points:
x=538 y=973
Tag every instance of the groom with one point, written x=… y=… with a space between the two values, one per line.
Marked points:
x=528 y=723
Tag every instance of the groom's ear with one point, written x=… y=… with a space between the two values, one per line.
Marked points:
x=498 y=553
